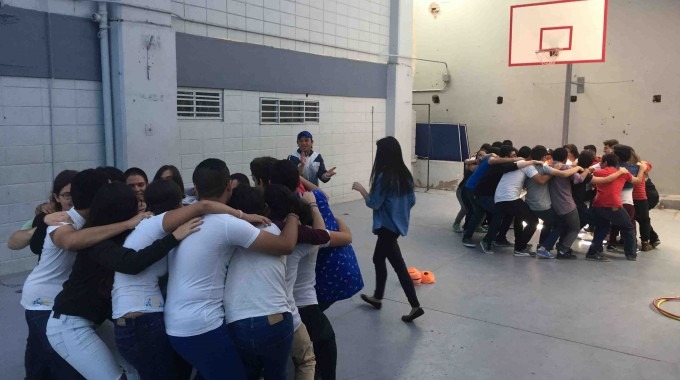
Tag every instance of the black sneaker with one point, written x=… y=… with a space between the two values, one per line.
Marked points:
x=503 y=243
x=611 y=248
x=486 y=247
x=565 y=256
x=631 y=257
x=597 y=257
x=468 y=242
x=656 y=243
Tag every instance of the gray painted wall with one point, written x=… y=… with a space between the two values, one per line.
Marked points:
x=215 y=63
x=29 y=40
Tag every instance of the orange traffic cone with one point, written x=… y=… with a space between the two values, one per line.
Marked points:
x=415 y=274
x=427 y=277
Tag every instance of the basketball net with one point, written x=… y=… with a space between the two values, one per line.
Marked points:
x=548 y=56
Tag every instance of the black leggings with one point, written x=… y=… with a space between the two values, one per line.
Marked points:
x=387 y=248
x=322 y=335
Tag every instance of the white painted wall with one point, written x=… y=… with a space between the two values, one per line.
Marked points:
x=44 y=128
x=345 y=137
x=472 y=37
x=354 y=29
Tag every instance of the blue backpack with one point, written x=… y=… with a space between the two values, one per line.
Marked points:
x=338 y=276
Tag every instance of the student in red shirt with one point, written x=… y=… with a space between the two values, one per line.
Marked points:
x=608 y=209
x=642 y=208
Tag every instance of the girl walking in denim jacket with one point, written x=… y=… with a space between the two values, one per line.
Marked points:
x=391 y=198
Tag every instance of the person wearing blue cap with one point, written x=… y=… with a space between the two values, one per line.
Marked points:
x=310 y=163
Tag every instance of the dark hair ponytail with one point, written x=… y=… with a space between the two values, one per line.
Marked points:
x=282 y=201
x=389 y=165
x=113 y=203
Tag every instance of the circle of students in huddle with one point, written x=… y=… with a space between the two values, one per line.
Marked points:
x=223 y=281
x=568 y=190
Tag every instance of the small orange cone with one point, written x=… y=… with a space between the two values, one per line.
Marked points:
x=427 y=277
x=415 y=274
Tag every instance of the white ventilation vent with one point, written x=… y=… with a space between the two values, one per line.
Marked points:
x=283 y=111
x=199 y=104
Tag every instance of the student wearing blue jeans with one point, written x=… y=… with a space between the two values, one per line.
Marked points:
x=264 y=343
x=143 y=343
x=213 y=353
x=40 y=360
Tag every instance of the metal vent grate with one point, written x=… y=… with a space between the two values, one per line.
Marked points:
x=199 y=104
x=281 y=111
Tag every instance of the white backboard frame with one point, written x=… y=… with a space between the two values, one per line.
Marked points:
x=577 y=27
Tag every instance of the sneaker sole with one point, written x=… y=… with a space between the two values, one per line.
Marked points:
x=488 y=252
x=597 y=260
x=470 y=245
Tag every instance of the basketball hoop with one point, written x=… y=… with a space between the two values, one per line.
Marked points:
x=548 y=56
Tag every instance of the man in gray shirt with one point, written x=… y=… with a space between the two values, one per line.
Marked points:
x=538 y=199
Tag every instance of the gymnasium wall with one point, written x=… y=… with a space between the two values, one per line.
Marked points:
x=46 y=126
x=333 y=51
x=472 y=37
x=51 y=98
x=50 y=108
x=353 y=29
x=345 y=136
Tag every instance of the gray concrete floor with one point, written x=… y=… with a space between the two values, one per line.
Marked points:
x=488 y=316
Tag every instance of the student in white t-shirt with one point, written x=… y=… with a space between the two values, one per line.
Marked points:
x=137 y=299
x=256 y=306
x=45 y=281
x=194 y=309
x=312 y=327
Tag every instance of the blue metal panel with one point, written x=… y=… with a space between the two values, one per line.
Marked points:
x=449 y=142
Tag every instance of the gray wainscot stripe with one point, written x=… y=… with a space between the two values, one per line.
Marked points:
x=216 y=63
x=24 y=50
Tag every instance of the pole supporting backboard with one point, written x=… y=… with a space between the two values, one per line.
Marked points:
x=567 y=107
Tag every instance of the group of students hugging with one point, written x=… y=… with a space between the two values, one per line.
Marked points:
x=566 y=189
x=240 y=265
x=230 y=281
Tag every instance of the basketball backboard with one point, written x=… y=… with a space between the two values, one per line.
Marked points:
x=578 y=28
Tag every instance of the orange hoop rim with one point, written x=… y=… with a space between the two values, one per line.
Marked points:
x=660 y=301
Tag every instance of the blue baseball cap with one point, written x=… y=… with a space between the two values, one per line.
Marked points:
x=304 y=134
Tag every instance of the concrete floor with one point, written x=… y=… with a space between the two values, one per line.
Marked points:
x=488 y=316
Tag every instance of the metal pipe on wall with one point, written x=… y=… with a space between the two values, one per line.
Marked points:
x=106 y=83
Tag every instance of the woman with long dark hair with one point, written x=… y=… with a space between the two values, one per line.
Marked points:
x=170 y=172
x=391 y=198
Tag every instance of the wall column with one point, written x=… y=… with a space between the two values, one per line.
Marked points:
x=144 y=79
x=400 y=76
